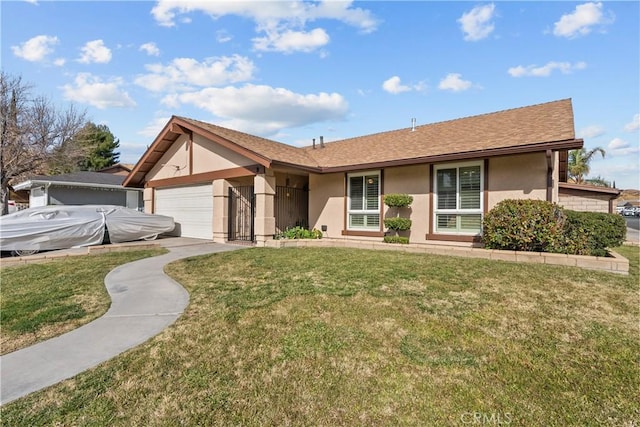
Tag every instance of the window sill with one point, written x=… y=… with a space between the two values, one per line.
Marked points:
x=455 y=237
x=363 y=233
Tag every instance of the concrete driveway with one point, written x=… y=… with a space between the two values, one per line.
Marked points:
x=144 y=302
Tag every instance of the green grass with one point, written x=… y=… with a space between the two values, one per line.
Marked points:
x=351 y=337
x=40 y=301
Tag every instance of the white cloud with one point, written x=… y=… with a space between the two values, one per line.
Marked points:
x=184 y=73
x=150 y=48
x=546 y=70
x=59 y=62
x=624 y=174
x=268 y=13
x=620 y=147
x=153 y=128
x=89 y=89
x=223 y=36
x=393 y=85
x=292 y=41
x=454 y=82
x=633 y=125
x=592 y=131
x=95 y=51
x=35 y=49
x=261 y=109
x=281 y=25
x=476 y=24
x=581 y=21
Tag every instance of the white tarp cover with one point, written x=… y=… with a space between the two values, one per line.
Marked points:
x=60 y=227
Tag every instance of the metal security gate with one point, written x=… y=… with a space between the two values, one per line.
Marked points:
x=242 y=211
x=292 y=208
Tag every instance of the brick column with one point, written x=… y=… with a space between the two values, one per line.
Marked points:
x=220 y=210
x=265 y=220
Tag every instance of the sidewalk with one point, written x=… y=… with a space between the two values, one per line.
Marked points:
x=144 y=302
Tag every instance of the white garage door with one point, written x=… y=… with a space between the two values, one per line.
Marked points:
x=191 y=208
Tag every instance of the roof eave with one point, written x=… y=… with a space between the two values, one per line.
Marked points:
x=571 y=144
x=27 y=185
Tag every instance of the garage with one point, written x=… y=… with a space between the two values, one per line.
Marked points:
x=191 y=208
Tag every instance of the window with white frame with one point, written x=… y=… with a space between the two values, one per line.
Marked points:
x=364 y=201
x=458 y=198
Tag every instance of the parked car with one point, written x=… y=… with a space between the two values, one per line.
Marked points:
x=631 y=211
x=61 y=227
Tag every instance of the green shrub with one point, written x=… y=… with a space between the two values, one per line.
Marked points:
x=524 y=225
x=398 y=200
x=397 y=223
x=536 y=225
x=299 y=233
x=591 y=233
x=396 y=239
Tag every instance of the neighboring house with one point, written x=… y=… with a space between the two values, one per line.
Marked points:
x=118 y=169
x=81 y=188
x=225 y=185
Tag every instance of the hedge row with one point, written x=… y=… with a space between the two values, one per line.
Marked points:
x=540 y=226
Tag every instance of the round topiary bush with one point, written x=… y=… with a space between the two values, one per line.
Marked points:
x=397 y=223
x=398 y=200
x=524 y=225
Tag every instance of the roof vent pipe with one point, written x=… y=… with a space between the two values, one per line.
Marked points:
x=314 y=143
x=413 y=124
x=321 y=141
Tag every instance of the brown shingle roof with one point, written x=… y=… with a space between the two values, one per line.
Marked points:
x=533 y=128
x=271 y=150
x=536 y=124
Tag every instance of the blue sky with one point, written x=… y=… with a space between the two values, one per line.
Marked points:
x=292 y=71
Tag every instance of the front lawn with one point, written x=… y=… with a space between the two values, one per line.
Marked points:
x=353 y=337
x=40 y=301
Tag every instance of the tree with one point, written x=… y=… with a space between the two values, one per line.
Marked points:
x=31 y=129
x=579 y=163
x=100 y=144
x=90 y=149
x=598 y=181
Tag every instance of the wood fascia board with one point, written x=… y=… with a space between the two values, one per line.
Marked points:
x=208 y=176
x=314 y=169
x=150 y=150
x=468 y=155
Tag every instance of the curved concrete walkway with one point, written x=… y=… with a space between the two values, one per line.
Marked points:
x=144 y=302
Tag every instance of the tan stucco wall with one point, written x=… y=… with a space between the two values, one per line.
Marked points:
x=412 y=180
x=326 y=203
x=147 y=196
x=584 y=201
x=209 y=156
x=517 y=177
x=326 y=200
x=174 y=163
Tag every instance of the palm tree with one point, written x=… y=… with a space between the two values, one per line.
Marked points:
x=579 y=163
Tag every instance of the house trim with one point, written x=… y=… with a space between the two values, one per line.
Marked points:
x=207 y=176
x=468 y=155
x=26 y=185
